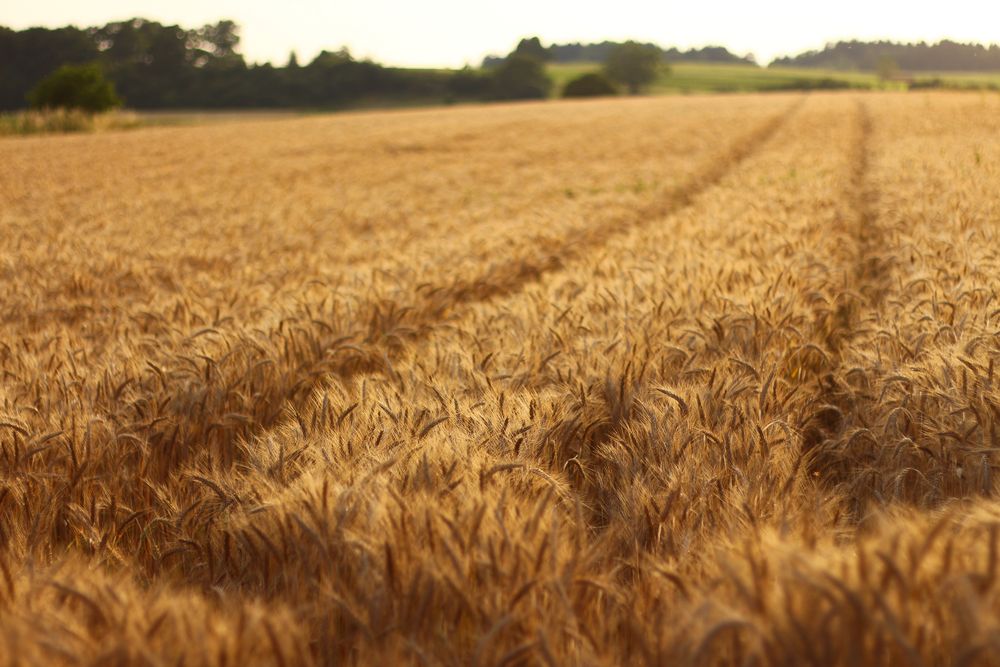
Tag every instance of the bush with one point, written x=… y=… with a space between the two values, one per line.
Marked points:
x=470 y=83
x=75 y=87
x=593 y=84
x=521 y=78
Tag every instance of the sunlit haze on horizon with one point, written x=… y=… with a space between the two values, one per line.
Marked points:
x=452 y=33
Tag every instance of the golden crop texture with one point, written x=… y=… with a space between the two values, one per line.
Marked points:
x=667 y=381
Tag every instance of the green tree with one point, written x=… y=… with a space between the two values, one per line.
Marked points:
x=521 y=78
x=75 y=87
x=216 y=45
x=593 y=84
x=633 y=65
x=531 y=47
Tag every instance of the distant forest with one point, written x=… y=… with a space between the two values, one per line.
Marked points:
x=156 y=66
x=598 y=53
x=945 y=56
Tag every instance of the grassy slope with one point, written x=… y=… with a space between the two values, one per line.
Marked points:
x=712 y=77
x=964 y=79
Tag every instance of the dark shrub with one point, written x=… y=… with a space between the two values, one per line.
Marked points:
x=593 y=84
x=75 y=87
x=470 y=83
x=521 y=78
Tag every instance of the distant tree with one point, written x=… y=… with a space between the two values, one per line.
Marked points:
x=329 y=58
x=633 y=65
x=920 y=56
x=148 y=45
x=216 y=45
x=293 y=60
x=593 y=84
x=75 y=87
x=520 y=78
x=529 y=47
x=532 y=48
x=151 y=64
x=219 y=40
x=492 y=62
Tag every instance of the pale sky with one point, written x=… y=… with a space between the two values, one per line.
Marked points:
x=439 y=33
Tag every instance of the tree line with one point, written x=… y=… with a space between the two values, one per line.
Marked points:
x=156 y=66
x=945 y=55
x=599 y=52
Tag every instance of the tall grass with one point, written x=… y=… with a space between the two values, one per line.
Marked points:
x=54 y=121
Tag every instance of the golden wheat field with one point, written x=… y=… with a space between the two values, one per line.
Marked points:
x=663 y=381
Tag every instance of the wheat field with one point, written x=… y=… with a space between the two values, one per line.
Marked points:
x=664 y=381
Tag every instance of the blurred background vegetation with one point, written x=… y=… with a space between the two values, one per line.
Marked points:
x=150 y=66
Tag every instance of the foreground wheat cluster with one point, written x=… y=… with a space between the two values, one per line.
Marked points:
x=687 y=381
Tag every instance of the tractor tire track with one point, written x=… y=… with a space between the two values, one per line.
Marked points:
x=872 y=267
x=836 y=410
